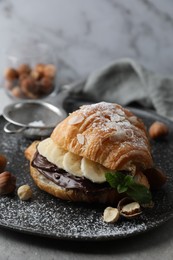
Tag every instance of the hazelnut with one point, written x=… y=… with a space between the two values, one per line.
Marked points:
x=22 y=77
x=40 y=69
x=49 y=71
x=158 y=129
x=24 y=69
x=156 y=177
x=11 y=74
x=46 y=85
x=36 y=75
x=24 y=192
x=29 y=87
x=3 y=162
x=16 y=92
x=7 y=183
x=129 y=208
x=111 y=215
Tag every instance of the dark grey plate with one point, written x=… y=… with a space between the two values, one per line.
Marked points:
x=46 y=216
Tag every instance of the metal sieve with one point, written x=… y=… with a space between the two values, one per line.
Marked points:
x=34 y=118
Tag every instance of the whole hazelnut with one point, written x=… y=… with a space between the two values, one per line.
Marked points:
x=29 y=87
x=40 y=69
x=36 y=75
x=3 y=162
x=23 y=76
x=24 y=69
x=16 y=92
x=49 y=71
x=24 y=192
x=7 y=183
x=158 y=129
x=11 y=74
x=47 y=85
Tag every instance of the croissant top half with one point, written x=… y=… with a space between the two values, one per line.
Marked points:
x=105 y=133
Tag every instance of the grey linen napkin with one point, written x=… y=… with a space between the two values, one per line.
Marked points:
x=126 y=82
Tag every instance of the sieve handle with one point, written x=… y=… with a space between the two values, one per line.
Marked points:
x=14 y=131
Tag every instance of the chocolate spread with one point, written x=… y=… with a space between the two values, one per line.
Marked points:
x=63 y=178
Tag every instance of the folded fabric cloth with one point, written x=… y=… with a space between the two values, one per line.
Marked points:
x=126 y=82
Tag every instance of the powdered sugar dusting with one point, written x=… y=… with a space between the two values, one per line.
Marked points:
x=38 y=123
x=48 y=216
x=109 y=116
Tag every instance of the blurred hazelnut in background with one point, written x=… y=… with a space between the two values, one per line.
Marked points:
x=30 y=82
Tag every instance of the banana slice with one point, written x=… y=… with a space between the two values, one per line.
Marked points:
x=52 y=152
x=72 y=164
x=93 y=171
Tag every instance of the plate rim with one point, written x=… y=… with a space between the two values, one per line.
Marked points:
x=105 y=237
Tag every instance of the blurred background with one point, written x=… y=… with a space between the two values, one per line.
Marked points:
x=86 y=35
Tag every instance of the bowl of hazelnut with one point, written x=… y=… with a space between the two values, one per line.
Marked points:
x=26 y=81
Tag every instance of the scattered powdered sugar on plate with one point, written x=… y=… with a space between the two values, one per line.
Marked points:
x=45 y=215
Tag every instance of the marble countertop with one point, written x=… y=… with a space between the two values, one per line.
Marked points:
x=84 y=36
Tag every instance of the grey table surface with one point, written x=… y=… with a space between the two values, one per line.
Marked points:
x=84 y=36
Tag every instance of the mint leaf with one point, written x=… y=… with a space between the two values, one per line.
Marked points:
x=139 y=193
x=128 y=180
x=121 y=188
x=126 y=183
x=114 y=179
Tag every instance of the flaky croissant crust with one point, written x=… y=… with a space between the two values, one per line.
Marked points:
x=105 y=133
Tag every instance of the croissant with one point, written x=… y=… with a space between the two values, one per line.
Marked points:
x=94 y=140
